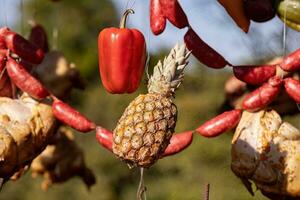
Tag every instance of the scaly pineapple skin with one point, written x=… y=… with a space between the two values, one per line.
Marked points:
x=144 y=130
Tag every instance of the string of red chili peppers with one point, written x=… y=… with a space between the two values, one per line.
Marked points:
x=271 y=76
x=254 y=75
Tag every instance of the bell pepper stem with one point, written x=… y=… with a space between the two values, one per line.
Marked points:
x=124 y=17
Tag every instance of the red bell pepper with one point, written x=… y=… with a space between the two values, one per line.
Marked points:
x=122 y=57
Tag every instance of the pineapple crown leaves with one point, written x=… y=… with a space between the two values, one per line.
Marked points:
x=167 y=76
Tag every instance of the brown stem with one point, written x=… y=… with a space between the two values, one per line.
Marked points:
x=206 y=194
x=124 y=18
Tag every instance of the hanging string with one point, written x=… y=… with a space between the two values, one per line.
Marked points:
x=148 y=52
x=283 y=40
x=55 y=30
x=284 y=32
x=148 y=56
x=55 y=38
x=126 y=5
x=141 y=193
x=34 y=13
x=5 y=12
x=22 y=17
x=32 y=21
x=132 y=5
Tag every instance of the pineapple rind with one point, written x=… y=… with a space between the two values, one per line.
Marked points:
x=145 y=129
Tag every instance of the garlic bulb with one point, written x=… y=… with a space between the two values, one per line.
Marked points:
x=266 y=150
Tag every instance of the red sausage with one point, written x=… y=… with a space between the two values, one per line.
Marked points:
x=263 y=96
x=254 y=75
x=2 y=38
x=71 y=117
x=6 y=89
x=202 y=51
x=2 y=43
x=22 y=47
x=220 y=124
x=259 y=10
x=24 y=80
x=5 y=84
x=157 y=18
x=3 y=54
x=104 y=137
x=178 y=143
x=174 y=13
x=3 y=74
x=292 y=88
x=291 y=62
x=38 y=37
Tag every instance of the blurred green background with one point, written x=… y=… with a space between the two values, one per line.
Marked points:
x=179 y=177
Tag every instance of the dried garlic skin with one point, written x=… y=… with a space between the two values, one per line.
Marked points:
x=25 y=129
x=58 y=164
x=58 y=75
x=266 y=150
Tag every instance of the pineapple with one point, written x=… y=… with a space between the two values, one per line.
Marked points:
x=147 y=124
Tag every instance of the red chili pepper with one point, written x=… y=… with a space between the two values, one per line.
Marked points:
x=202 y=51
x=3 y=74
x=38 y=37
x=220 y=124
x=24 y=80
x=235 y=8
x=292 y=88
x=22 y=47
x=174 y=13
x=122 y=58
x=254 y=75
x=291 y=62
x=3 y=59
x=2 y=42
x=2 y=37
x=157 y=19
x=263 y=96
x=6 y=89
x=178 y=143
x=71 y=117
x=104 y=137
x=259 y=10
